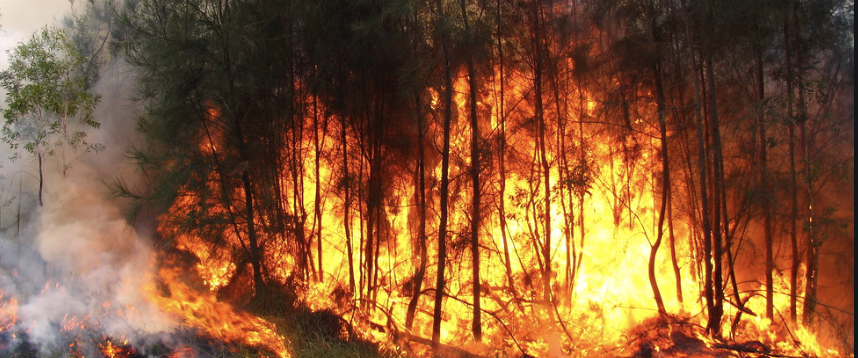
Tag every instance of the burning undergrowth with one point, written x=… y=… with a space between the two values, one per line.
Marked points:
x=78 y=280
x=103 y=294
x=680 y=337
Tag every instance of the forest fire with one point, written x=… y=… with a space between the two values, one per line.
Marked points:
x=458 y=179
x=604 y=210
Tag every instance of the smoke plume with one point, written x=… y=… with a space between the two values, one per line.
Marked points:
x=75 y=263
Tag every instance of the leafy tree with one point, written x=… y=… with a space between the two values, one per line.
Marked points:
x=49 y=107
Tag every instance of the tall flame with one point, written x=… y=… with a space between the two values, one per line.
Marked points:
x=604 y=207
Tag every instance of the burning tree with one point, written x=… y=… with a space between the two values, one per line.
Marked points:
x=537 y=176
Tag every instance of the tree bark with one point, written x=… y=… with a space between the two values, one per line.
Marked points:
x=665 y=190
x=793 y=175
x=764 y=183
x=445 y=181
x=537 y=36
x=714 y=324
x=501 y=118
x=476 y=323
x=318 y=204
x=421 y=231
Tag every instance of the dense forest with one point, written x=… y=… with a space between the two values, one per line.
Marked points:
x=504 y=177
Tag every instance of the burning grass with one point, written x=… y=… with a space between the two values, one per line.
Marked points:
x=301 y=332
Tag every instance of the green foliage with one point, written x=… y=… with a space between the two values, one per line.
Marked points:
x=48 y=105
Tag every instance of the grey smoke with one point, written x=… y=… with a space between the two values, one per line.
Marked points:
x=76 y=258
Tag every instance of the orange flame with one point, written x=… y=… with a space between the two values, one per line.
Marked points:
x=603 y=205
x=8 y=312
x=219 y=320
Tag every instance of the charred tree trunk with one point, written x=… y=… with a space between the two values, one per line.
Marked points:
x=445 y=180
x=566 y=190
x=677 y=273
x=793 y=175
x=421 y=230
x=536 y=13
x=255 y=256
x=298 y=219
x=812 y=244
x=476 y=202
x=764 y=183
x=665 y=189
x=476 y=323
x=714 y=324
x=318 y=202
x=375 y=210
x=501 y=116
x=347 y=203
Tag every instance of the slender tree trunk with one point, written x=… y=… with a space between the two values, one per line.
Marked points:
x=764 y=184
x=476 y=201
x=318 y=204
x=255 y=255
x=665 y=190
x=253 y=240
x=347 y=182
x=421 y=231
x=793 y=216
x=582 y=160
x=381 y=223
x=501 y=117
x=714 y=324
x=476 y=323
x=677 y=273
x=542 y=147
x=811 y=243
x=375 y=210
x=41 y=176
x=440 y=281
x=677 y=69
x=564 y=177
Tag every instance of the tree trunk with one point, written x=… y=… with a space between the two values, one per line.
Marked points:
x=764 y=184
x=714 y=324
x=501 y=154
x=665 y=190
x=41 y=176
x=476 y=323
x=793 y=175
x=253 y=240
x=811 y=243
x=375 y=209
x=542 y=147
x=318 y=204
x=347 y=203
x=445 y=181
x=421 y=231
x=475 y=201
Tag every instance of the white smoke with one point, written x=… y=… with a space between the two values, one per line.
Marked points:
x=75 y=260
